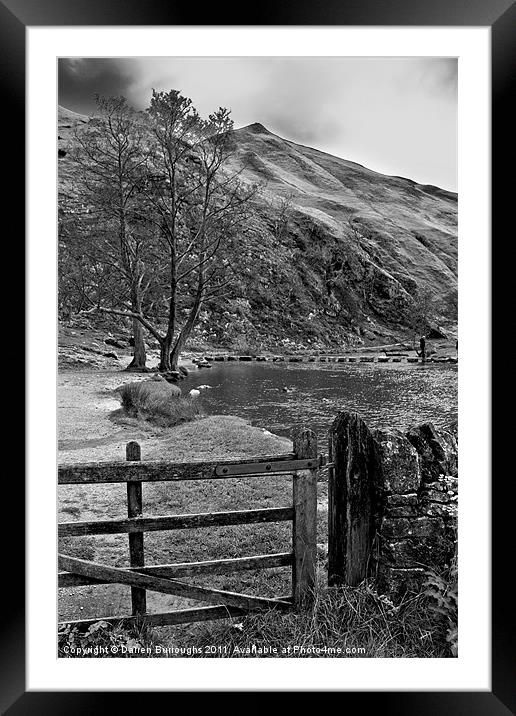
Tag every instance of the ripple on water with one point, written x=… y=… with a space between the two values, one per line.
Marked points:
x=385 y=395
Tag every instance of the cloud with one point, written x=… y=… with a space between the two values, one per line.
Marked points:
x=440 y=76
x=81 y=78
x=395 y=115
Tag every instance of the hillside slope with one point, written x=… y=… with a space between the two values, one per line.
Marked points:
x=335 y=252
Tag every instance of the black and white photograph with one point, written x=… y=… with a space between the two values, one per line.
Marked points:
x=261 y=295
x=258 y=351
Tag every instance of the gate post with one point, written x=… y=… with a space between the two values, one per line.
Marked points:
x=352 y=499
x=304 y=536
x=134 y=509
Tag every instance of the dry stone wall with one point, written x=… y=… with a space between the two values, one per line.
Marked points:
x=419 y=492
x=412 y=484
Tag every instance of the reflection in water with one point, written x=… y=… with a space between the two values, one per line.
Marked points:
x=278 y=396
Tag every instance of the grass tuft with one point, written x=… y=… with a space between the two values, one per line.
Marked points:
x=159 y=403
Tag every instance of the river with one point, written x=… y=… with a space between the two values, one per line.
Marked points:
x=279 y=396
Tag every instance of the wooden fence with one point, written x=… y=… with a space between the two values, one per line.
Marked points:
x=304 y=464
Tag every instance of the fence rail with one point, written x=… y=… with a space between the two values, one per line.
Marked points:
x=303 y=464
x=188 y=569
x=175 y=522
x=163 y=471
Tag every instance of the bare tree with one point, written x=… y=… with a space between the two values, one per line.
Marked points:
x=158 y=203
x=192 y=202
x=109 y=164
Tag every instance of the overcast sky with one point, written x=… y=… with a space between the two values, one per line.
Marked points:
x=394 y=115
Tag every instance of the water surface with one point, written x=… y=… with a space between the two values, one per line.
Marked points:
x=385 y=395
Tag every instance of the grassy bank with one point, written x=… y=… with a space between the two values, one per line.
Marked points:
x=344 y=622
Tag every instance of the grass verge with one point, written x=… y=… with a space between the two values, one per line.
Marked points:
x=345 y=622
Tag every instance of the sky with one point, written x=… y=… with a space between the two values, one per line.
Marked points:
x=397 y=116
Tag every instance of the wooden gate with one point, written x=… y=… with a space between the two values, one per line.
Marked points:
x=304 y=464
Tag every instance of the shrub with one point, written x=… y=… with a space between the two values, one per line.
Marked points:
x=246 y=346
x=442 y=591
x=158 y=402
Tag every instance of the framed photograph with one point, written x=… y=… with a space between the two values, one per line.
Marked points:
x=258 y=355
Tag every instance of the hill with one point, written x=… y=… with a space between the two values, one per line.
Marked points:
x=334 y=254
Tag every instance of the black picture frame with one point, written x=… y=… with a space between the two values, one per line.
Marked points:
x=500 y=16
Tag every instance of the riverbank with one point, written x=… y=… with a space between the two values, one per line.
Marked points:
x=93 y=428
x=97 y=349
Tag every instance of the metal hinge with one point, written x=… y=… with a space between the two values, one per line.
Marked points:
x=273 y=466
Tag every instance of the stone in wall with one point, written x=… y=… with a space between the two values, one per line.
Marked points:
x=396 y=582
x=402 y=505
x=401 y=473
x=437 y=450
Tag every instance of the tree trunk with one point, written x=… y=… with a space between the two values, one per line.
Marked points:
x=164 y=354
x=178 y=347
x=140 y=354
x=184 y=334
